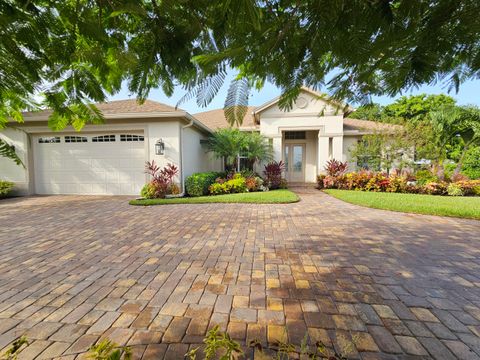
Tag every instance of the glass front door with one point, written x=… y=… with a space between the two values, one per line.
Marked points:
x=294 y=157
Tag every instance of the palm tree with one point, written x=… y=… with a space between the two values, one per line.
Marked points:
x=257 y=148
x=227 y=144
x=230 y=144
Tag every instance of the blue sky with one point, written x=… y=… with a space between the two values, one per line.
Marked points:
x=469 y=94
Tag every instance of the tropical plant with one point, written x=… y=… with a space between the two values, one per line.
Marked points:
x=273 y=174
x=162 y=179
x=230 y=144
x=83 y=50
x=197 y=184
x=335 y=167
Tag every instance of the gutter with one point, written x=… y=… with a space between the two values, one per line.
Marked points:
x=182 y=173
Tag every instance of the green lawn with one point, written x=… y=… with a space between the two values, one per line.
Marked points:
x=267 y=197
x=463 y=207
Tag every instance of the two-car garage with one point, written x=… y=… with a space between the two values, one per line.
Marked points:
x=89 y=163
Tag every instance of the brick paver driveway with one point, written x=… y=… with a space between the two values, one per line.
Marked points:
x=376 y=284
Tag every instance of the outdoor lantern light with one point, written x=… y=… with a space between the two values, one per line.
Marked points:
x=160 y=147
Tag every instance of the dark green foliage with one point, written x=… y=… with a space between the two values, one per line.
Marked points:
x=83 y=50
x=197 y=184
x=471 y=164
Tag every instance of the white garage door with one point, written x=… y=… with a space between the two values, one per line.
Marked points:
x=92 y=164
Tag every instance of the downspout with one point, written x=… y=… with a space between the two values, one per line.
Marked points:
x=182 y=174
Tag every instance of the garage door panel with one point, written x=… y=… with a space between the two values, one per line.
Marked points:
x=113 y=168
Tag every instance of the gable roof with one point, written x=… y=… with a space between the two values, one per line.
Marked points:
x=316 y=94
x=215 y=119
x=129 y=106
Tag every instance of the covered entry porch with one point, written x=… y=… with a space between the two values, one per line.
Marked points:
x=305 y=152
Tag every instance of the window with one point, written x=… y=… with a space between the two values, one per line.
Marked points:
x=295 y=135
x=49 y=140
x=103 y=138
x=76 y=139
x=128 y=137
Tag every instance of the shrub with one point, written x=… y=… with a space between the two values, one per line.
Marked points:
x=398 y=183
x=235 y=183
x=435 y=188
x=425 y=176
x=335 y=168
x=455 y=189
x=379 y=182
x=273 y=174
x=161 y=179
x=148 y=191
x=357 y=180
x=173 y=189
x=320 y=179
x=329 y=182
x=469 y=187
x=5 y=188
x=197 y=184
x=253 y=183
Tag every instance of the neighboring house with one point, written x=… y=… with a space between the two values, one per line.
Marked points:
x=110 y=158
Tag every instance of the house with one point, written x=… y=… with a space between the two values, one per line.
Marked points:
x=109 y=158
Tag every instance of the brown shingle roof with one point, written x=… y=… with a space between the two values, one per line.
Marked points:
x=215 y=119
x=120 y=107
x=368 y=125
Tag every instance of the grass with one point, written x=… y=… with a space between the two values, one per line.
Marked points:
x=267 y=197
x=462 y=207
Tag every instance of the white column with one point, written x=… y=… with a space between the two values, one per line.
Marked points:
x=277 y=148
x=338 y=148
x=322 y=156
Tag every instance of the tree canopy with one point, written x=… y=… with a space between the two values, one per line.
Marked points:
x=75 y=52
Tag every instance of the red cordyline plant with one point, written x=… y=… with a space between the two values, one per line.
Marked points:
x=273 y=174
x=335 y=168
x=161 y=178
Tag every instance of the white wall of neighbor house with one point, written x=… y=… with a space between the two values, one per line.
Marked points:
x=9 y=170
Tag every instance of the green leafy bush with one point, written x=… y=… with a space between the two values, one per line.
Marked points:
x=5 y=188
x=471 y=164
x=235 y=183
x=455 y=189
x=425 y=176
x=197 y=184
x=148 y=191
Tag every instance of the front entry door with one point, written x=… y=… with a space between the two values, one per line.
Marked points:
x=294 y=157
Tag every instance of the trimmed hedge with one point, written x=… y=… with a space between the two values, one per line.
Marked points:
x=197 y=184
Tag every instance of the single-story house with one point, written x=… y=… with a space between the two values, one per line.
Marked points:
x=109 y=159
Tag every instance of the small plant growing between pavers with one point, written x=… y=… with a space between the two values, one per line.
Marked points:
x=108 y=350
x=14 y=349
x=218 y=345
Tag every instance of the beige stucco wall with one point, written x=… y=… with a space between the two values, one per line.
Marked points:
x=9 y=170
x=195 y=156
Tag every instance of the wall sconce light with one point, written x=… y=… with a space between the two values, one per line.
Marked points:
x=159 y=147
